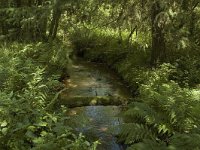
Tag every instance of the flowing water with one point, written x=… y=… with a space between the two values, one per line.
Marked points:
x=96 y=122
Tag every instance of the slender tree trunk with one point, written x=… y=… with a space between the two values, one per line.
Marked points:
x=192 y=24
x=18 y=3
x=30 y=3
x=158 y=53
x=4 y=27
x=129 y=39
x=39 y=2
x=42 y=22
x=19 y=33
x=185 y=4
x=54 y=23
x=120 y=35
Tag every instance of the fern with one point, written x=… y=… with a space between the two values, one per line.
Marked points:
x=133 y=132
x=166 y=111
x=141 y=111
x=25 y=92
x=148 y=144
x=185 y=141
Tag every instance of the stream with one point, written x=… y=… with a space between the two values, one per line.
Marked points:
x=96 y=122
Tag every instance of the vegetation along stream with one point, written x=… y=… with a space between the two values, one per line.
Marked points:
x=135 y=84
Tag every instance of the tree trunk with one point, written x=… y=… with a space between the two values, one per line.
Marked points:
x=158 y=53
x=129 y=39
x=192 y=24
x=4 y=27
x=54 y=23
x=18 y=3
x=120 y=35
x=42 y=22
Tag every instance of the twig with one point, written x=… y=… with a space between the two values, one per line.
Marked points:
x=54 y=100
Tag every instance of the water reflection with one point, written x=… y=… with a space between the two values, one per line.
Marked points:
x=95 y=122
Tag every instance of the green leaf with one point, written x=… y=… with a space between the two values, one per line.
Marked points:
x=43 y=133
x=32 y=128
x=42 y=124
x=4 y=131
x=4 y=123
x=30 y=134
x=38 y=140
x=87 y=143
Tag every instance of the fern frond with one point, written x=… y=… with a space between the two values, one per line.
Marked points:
x=148 y=144
x=141 y=111
x=133 y=132
x=185 y=141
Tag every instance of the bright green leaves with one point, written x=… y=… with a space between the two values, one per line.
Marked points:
x=4 y=123
x=3 y=127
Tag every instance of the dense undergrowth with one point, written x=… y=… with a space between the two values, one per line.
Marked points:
x=154 y=46
x=164 y=114
x=29 y=76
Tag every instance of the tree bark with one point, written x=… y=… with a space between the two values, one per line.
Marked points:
x=18 y=3
x=54 y=23
x=4 y=27
x=158 y=53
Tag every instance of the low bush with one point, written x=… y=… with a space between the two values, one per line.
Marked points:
x=27 y=87
x=187 y=71
x=164 y=115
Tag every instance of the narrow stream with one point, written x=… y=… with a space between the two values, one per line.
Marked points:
x=95 y=122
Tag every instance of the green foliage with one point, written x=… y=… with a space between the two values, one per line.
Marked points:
x=27 y=88
x=24 y=20
x=166 y=110
x=126 y=35
x=164 y=115
x=187 y=71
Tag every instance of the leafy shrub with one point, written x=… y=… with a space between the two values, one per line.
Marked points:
x=163 y=115
x=27 y=88
x=187 y=71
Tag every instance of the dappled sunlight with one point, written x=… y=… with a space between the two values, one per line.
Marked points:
x=100 y=75
x=90 y=82
x=72 y=112
x=72 y=85
x=103 y=129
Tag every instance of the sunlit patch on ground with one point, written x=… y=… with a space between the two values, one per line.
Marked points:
x=103 y=129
